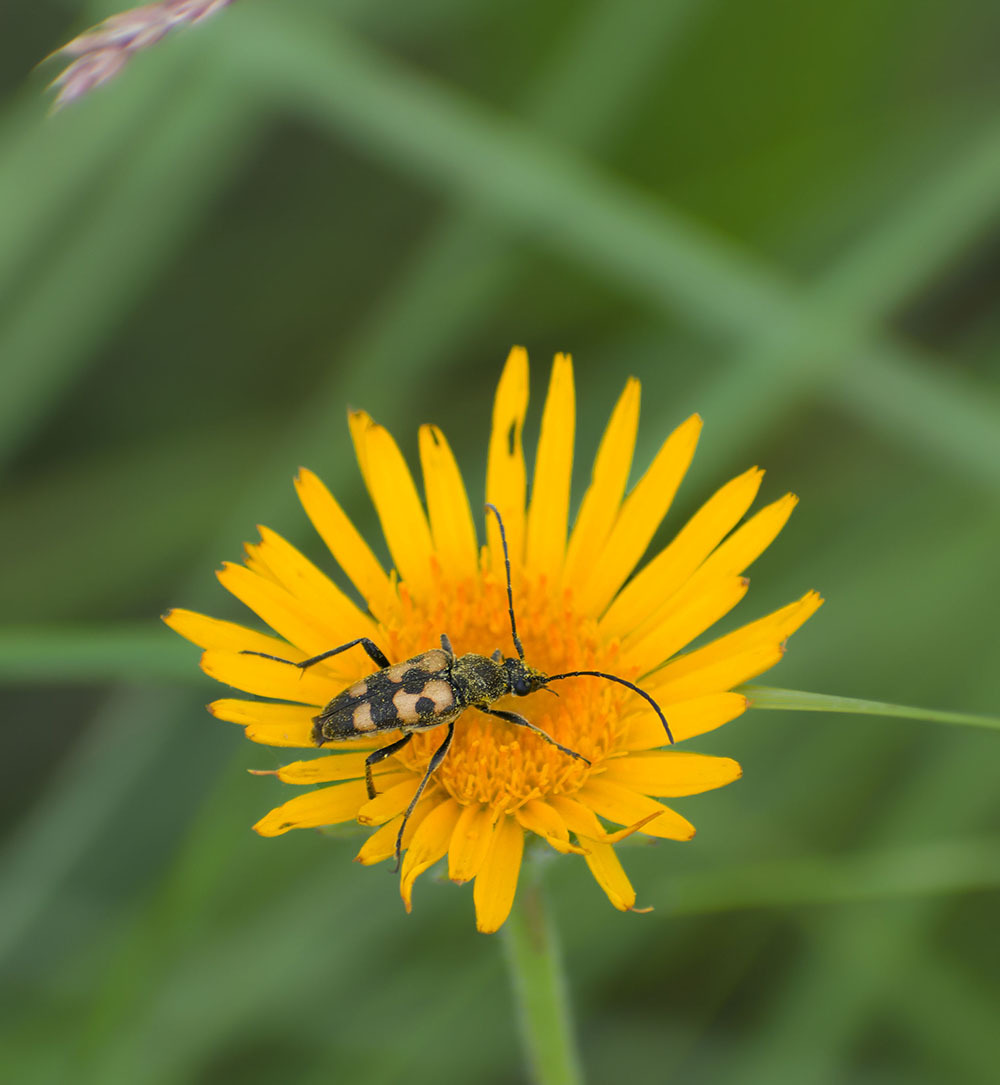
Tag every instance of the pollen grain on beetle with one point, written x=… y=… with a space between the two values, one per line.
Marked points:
x=580 y=605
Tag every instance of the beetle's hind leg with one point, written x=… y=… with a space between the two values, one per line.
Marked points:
x=436 y=759
x=380 y=755
x=520 y=721
x=375 y=654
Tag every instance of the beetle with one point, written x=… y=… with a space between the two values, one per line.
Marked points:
x=432 y=690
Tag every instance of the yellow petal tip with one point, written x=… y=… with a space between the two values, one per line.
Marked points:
x=693 y=422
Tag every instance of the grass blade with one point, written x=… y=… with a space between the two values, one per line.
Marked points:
x=800 y=701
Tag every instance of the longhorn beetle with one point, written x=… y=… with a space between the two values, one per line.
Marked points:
x=432 y=689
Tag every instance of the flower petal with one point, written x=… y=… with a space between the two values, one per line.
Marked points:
x=624 y=806
x=540 y=818
x=737 y=657
x=396 y=501
x=607 y=487
x=255 y=562
x=496 y=882
x=382 y=843
x=280 y=724
x=579 y=819
x=399 y=790
x=741 y=549
x=268 y=678
x=545 y=546
x=610 y=876
x=349 y=549
x=638 y=519
x=326 y=806
x=470 y=842
x=429 y=844
x=672 y=774
x=335 y=766
x=583 y=821
x=291 y=617
x=686 y=718
x=678 y=629
x=212 y=633
x=506 y=477
x=293 y=716
x=451 y=521
x=281 y=734
x=306 y=582
x=651 y=589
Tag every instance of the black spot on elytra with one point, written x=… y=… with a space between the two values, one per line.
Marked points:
x=415 y=679
x=380 y=693
x=424 y=706
x=383 y=711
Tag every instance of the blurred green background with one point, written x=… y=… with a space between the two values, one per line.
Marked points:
x=784 y=216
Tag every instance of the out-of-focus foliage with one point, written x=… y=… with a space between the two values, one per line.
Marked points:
x=781 y=215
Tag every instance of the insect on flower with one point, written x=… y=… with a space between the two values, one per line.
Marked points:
x=434 y=689
x=469 y=766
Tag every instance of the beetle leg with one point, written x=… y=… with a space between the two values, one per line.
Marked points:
x=520 y=721
x=374 y=653
x=439 y=756
x=380 y=755
x=446 y=644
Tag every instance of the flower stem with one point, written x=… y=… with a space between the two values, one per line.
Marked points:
x=536 y=972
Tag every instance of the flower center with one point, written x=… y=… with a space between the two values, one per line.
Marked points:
x=491 y=761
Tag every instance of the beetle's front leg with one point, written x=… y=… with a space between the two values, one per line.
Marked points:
x=520 y=721
x=375 y=654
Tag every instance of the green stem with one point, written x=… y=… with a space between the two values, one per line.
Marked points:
x=800 y=701
x=536 y=972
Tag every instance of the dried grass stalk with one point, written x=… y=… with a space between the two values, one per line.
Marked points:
x=101 y=52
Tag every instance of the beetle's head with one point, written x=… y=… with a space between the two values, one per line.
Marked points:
x=522 y=678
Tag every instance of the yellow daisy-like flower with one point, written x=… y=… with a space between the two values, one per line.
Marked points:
x=578 y=607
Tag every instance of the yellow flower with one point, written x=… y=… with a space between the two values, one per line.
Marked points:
x=576 y=609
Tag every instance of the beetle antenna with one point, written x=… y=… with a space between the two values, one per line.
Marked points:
x=622 y=682
x=510 y=594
